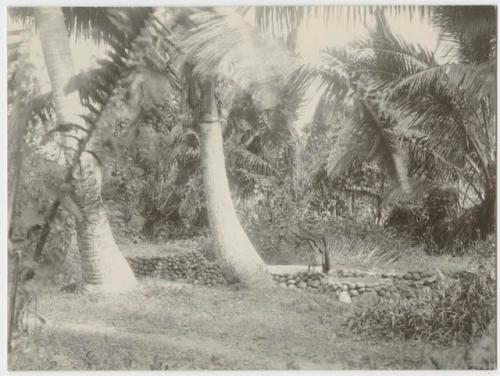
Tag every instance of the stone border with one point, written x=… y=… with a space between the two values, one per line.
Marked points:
x=389 y=284
x=193 y=267
x=190 y=267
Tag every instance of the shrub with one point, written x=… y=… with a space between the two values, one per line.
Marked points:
x=458 y=312
x=430 y=221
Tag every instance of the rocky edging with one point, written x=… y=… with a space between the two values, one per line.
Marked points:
x=391 y=285
x=193 y=267
x=190 y=266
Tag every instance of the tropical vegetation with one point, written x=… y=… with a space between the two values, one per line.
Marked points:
x=190 y=129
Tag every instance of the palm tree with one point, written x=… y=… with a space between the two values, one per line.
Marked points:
x=342 y=76
x=18 y=119
x=442 y=113
x=449 y=108
x=198 y=33
x=103 y=265
x=460 y=95
x=213 y=48
x=118 y=27
x=232 y=244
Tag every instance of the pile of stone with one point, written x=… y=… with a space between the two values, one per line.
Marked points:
x=302 y=280
x=320 y=282
x=354 y=289
x=408 y=276
x=414 y=278
x=190 y=266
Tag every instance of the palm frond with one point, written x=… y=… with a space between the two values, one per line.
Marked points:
x=221 y=42
x=418 y=189
x=98 y=23
x=239 y=157
x=470 y=29
x=385 y=58
x=473 y=83
x=332 y=73
x=369 y=136
x=283 y=20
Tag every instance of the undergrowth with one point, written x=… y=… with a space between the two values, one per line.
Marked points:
x=356 y=244
x=457 y=312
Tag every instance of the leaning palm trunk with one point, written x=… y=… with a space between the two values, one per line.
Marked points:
x=104 y=267
x=233 y=248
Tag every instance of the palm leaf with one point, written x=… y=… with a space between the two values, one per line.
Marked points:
x=369 y=136
x=93 y=22
x=471 y=30
x=238 y=157
x=283 y=20
x=418 y=189
x=220 y=42
x=332 y=73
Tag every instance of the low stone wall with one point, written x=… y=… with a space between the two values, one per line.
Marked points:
x=190 y=266
x=356 y=283
x=195 y=268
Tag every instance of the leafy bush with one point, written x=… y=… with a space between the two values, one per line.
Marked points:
x=460 y=312
x=428 y=221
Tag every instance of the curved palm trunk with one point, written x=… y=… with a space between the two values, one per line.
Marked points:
x=233 y=248
x=104 y=267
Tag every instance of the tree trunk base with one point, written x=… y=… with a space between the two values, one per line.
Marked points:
x=236 y=254
x=104 y=268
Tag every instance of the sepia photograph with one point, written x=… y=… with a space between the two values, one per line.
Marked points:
x=250 y=187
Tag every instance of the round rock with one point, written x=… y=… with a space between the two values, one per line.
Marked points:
x=344 y=297
x=314 y=283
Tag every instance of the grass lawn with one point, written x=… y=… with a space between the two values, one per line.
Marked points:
x=186 y=326
x=194 y=327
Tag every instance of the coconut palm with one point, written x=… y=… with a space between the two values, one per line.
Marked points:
x=460 y=95
x=199 y=33
x=442 y=113
x=220 y=44
x=103 y=265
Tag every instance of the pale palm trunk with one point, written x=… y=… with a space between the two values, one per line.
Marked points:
x=232 y=245
x=103 y=266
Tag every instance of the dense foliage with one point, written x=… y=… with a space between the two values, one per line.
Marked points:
x=399 y=153
x=372 y=101
x=460 y=310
